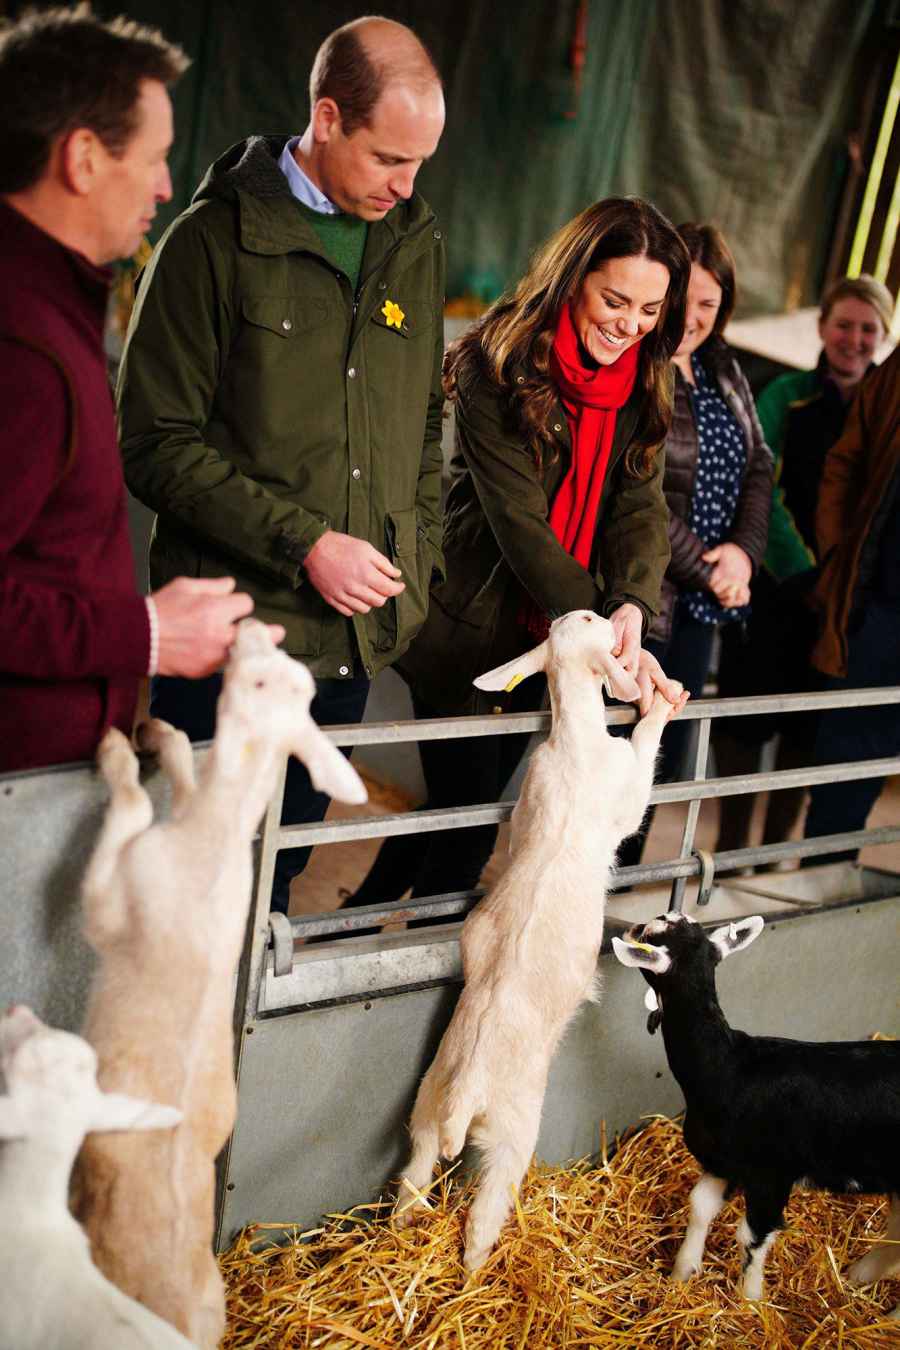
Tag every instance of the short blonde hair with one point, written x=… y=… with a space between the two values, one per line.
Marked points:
x=865 y=288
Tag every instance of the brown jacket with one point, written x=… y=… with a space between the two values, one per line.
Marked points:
x=859 y=486
x=750 y=528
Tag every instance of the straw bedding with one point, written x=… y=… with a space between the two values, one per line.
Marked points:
x=583 y=1261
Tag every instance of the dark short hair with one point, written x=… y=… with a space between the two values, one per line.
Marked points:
x=344 y=71
x=707 y=247
x=61 y=69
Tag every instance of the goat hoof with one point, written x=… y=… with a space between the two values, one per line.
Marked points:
x=684 y=1271
x=406 y=1218
x=474 y=1259
x=868 y=1269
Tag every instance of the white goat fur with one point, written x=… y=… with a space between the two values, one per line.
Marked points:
x=52 y=1296
x=165 y=907
x=530 y=948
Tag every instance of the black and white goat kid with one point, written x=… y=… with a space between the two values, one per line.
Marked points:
x=764 y=1112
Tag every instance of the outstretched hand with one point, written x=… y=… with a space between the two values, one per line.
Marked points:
x=650 y=677
x=198 y=619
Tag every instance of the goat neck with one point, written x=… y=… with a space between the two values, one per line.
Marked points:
x=579 y=713
x=697 y=1037
x=34 y=1172
x=240 y=772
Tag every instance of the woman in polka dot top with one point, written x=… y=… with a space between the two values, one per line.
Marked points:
x=718 y=486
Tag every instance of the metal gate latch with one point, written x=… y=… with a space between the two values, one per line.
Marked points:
x=707 y=875
x=282 y=942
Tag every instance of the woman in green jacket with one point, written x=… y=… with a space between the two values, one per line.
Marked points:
x=563 y=397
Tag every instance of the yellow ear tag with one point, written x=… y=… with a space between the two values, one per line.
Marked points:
x=516 y=679
x=640 y=946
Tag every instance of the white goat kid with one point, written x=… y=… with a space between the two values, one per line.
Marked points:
x=166 y=908
x=530 y=948
x=52 y=1296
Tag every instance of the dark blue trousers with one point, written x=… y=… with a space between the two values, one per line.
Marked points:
x=873 y=659
x=191 y=705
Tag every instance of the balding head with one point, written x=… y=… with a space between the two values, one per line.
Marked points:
x=358 y=63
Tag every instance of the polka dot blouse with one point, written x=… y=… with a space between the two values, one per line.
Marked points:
x=721 y=461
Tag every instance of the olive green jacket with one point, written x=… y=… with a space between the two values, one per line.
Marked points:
x=500 y=548
x=262 y=403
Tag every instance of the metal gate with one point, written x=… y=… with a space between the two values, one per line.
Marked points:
x=332 y=1039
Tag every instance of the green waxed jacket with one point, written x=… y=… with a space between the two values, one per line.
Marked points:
x=501 y=550
x=261 y=403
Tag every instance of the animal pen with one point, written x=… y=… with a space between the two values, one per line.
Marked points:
x=333 y=1038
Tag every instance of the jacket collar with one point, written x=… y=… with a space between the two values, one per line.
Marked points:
x=59 y=270
x=270 y=219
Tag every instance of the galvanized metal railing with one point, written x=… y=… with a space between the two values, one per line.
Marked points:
x=694 y=790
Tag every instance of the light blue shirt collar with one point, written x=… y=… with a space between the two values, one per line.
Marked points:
x=303 y=188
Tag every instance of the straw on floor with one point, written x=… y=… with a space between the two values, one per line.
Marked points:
x=584 y=1261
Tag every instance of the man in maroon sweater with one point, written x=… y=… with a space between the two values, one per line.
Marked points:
x=87 y=126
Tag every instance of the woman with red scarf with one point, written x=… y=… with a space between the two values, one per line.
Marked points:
x=563 y=397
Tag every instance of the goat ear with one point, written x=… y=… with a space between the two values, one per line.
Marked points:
x=616 y=680
x=117 y=1111
x=733 y=937
x=642 y=956
x=330 y=771
x=11 y=1124
x=508 y=676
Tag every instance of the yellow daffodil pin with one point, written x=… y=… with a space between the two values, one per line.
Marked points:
x=393 y=314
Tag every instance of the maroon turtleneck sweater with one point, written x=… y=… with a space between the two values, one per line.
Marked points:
x=74 y=633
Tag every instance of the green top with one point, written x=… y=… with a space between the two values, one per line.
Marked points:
x=786 y=553
x=343 y=239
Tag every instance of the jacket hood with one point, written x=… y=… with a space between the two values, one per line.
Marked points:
x=250 y=168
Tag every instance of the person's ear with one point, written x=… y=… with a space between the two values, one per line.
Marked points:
x=326 y=120
x=79 y=153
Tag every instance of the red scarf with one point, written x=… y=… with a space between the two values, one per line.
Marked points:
x=591 y=396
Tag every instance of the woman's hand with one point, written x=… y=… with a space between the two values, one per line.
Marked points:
x=651 y=676
x=729 y=580
x=627 y=622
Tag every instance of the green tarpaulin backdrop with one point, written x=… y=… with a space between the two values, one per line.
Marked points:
x=731 y=110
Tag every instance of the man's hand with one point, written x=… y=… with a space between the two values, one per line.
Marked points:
x=351 y=575
x=651 y=676
x=729 y=580
x=627 y=622
x=197 y=618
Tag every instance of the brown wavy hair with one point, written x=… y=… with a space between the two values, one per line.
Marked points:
x=510 y=345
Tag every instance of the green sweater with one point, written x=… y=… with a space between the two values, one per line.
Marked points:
x=343 y=239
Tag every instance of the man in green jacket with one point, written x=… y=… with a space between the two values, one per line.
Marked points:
x=279 y=398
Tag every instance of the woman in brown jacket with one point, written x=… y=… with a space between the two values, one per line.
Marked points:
x=858 y=592
x=563 y=398
x=718 y=487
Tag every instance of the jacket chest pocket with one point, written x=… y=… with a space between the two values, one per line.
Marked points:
x=403 y=320
x=285 y=317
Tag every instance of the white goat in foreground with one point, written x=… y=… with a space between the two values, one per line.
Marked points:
x=530 y=948
x=165 y=907
x=52 y=1296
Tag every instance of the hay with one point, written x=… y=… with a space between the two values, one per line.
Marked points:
x=583 y=1261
